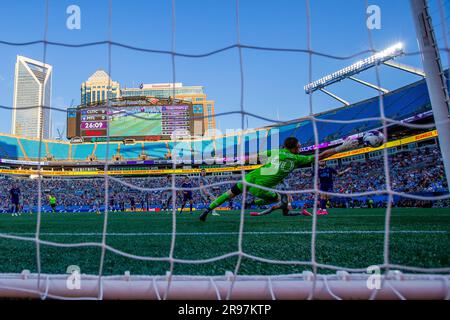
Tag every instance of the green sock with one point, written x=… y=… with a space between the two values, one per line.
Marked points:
x=224 y=197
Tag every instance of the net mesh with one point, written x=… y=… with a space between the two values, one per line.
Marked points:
x=164 y=283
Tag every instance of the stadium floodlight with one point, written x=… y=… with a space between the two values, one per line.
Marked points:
x=380 y=57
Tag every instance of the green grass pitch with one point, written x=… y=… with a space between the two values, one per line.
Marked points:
x=346 y=237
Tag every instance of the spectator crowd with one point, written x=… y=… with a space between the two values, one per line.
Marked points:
x=419 y=172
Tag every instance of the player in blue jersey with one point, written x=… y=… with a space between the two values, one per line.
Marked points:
x=187 y=194
x=14 y=193
x=326 y=175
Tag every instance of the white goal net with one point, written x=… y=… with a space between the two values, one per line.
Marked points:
x=385 y=279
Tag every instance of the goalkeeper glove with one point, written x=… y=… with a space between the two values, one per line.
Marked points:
x=348 y=144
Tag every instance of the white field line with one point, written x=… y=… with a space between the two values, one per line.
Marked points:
x=147 y=234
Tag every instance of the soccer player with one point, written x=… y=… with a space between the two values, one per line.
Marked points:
x=132 y=203
x=205 y=194
x=122 y=203
x=14 y=193
x=166 y=195
x=187 y=194
x=280 y=205
x=112 y=202
x=52 y=201
x=278 y=164
x=96 y=204
x=143 y=208
x=326 y=175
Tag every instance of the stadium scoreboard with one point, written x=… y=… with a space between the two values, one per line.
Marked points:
x=125 y=118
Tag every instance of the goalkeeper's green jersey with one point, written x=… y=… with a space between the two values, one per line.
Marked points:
x=280 y=163
x=52 y=199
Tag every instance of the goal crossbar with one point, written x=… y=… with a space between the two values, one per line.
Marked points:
x=342 y=285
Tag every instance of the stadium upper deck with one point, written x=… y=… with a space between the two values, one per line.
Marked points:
x=409 y=102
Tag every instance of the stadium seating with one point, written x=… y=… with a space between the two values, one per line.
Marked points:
x=59 y=151
x=9 y=148
x=106 y=152
x=157 y=150
x=419 y=171
x=31 y=148
x=131 y=151
x=82 y=151
x=399 y=104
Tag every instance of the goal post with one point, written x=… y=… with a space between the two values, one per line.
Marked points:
x=339 y=286
x=435 y=79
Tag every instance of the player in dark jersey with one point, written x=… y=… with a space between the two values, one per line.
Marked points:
x=132 y=203
x=325 y=176
x=14 y=193
x=187 y=194
x=112 y=203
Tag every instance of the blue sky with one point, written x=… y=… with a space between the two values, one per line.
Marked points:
x=273 y=81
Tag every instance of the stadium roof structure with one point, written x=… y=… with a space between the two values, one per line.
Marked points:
x=380 y=57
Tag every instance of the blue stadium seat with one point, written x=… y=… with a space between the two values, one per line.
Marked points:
x=31 y=148
x=9 y=148
x=60 y=151
x=102 y=148
x=82 y=151
x=155 y=149
x=131 y=151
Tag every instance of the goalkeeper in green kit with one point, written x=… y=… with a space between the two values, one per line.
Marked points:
x=278 y=164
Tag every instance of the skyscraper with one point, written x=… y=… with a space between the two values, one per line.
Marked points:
x=97 y=87
x=32 y=98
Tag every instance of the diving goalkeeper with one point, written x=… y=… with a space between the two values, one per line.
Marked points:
x=278 y=164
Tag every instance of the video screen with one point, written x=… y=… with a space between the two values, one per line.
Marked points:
x=135 y=121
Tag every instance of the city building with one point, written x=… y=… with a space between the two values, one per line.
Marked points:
x=98 y=87
x=203 y=108
x=31 y=114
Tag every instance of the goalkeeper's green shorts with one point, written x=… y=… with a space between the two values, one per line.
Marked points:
x=268 y=196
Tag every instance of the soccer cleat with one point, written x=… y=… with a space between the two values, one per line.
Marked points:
x=204 y=215
x=306 y=213
x=324 y=212
x=254 y=214
x=214 y=213
x=319 y=212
